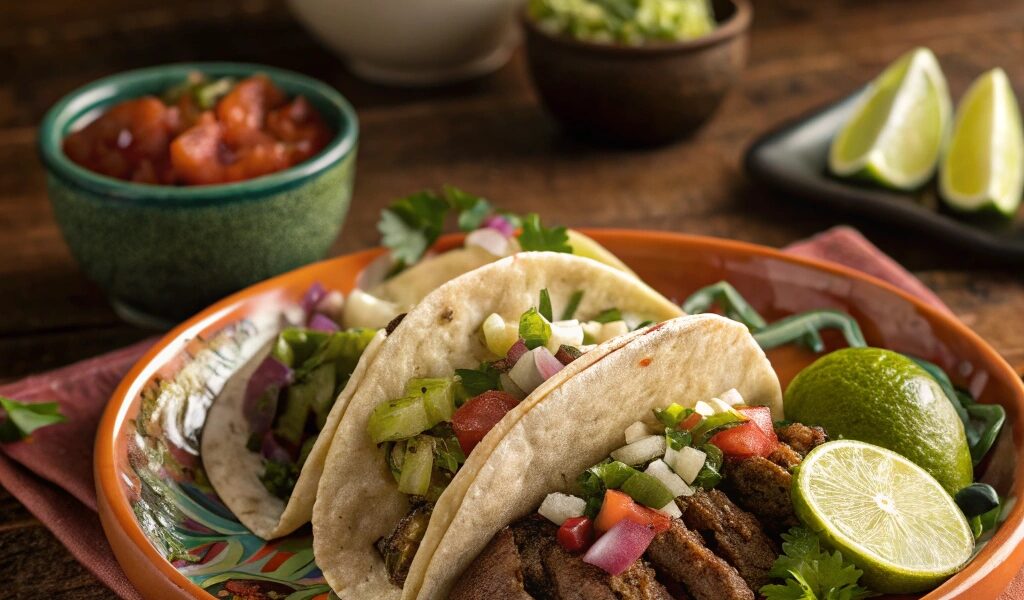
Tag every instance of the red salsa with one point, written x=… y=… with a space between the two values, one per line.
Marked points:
x=202 y=132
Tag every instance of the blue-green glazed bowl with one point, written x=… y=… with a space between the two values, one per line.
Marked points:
x=164 y=252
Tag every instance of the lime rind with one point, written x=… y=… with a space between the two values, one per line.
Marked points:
x=900 y=127
x=884 y=513
x=983 y=169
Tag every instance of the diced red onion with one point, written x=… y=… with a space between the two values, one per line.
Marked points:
x=547 y=364
x=313 y=295
x=271 y=373
x=321 y=322
x=491 y=240
x=271 y=449
x=516 y=352
x=617 y=550
x=501 y=224
x=331 y=305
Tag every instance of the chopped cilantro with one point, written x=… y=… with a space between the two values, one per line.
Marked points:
x=677 y=439
x=811 y=573
x=536 y=237
x=544 y=306
x=411 y=224
x=608 y=315
x=478 y=381
x=279 y=478
x=472 y=210
x=22 y=418
x=574 y=303
x=710 y=474
x=534 y=329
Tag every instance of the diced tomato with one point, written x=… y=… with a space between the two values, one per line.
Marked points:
x=199 y=155
x=243 y=110
x=762 y=417
x=618 y=506
x=690 y=422
x=480 y=414
x=576 y=534
x=744 y=441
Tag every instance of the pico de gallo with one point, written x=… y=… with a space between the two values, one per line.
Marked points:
x=204 y=131
x=292 y=391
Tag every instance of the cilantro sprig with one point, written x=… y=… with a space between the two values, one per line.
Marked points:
x=412 y=224
x=811 y=573
x=19 y=419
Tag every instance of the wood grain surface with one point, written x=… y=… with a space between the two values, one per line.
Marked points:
x=489 y=136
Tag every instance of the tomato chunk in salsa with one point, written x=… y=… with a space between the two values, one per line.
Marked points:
x=202 y=133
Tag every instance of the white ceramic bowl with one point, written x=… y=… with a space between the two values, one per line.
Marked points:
x=415 y=42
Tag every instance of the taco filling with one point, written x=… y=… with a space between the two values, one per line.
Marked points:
x=292 y=391
x=685 y=511
x=427 y=434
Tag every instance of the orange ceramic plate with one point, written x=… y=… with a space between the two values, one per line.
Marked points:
x=175 y=540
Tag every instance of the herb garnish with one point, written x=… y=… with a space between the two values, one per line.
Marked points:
x=608 y=315
x=574 y=303
x=534 y=329
x=811 y=573
x=22 y=418
x=478 y=381
x=544 y=306
x=536 y=237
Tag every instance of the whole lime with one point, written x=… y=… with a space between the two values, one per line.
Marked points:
x=884 y=398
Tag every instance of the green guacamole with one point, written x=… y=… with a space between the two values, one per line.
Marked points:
x=633 y=22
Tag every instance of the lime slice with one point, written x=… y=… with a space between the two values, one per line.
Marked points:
x=587 y=247
x=884 y=513
x=900 y=127
x=983 y=170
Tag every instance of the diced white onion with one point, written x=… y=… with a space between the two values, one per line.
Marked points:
x=703 y=408
x=592 y=329
x=510 y=386
x=332 y=305
x=568 y=333
x=490 y=240
x=636 y=431
x=364 y=310
x=672 y=509
x=732 y=397
x=612 y=330
x=499 y=335
x=687 y=462
x=558 y=507
x=525 y=373
x=641 y=451
x=660 y=471
x=720 y=406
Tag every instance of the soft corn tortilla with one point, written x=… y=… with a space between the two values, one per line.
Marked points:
x=579 y=422
x=358 y=500
x=234 y=470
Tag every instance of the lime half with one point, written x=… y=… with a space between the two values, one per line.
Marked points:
x=884 y=513
x=983 y=171
x=898 y=131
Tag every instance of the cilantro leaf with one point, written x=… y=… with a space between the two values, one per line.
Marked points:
x=574 y=303
x=536 y=237
x=412 y=224
x=22 y=418
x=608 y=315
x=472 y=210
x=478 y=381
x=811 y=573
x=544 y=305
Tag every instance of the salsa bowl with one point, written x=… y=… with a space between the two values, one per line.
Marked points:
x=163 y=252
x=176 y=539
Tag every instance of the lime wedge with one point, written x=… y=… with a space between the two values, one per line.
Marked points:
x=983 y=170
x=884 y=513
x=900 y=127
x=587 y=247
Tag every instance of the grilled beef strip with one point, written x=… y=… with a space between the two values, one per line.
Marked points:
x=399 y=547
x=732 y=533
x=801 y=438
x=680 y=554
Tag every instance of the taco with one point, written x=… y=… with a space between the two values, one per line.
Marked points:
x=633 y=437
x=456 y=372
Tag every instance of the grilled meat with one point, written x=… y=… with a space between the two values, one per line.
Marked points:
x=732 y=533
x=498 y=573
x=801 y=438
x=762 y=487
x=399 y=548
x=785 y=457
x=680 y=554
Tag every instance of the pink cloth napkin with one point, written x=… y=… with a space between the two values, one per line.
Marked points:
x=52 y=474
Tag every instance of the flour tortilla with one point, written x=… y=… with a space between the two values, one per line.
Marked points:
x=579 y=422
x=234 y=470
x=358 y=500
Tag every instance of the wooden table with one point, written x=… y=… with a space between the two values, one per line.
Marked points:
x=487 y=136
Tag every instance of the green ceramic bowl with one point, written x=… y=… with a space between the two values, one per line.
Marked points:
x=164 y=252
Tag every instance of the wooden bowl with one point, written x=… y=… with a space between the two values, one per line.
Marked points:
x=639 y=95
x=175 y=539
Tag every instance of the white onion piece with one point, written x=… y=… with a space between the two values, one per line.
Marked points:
x=332 y=305
x=525 y=373
x=509 y=386
x=490 y=240
x=617 y=550
x=732 y=397
x=703 y=408
x=672 y=509
x=660 y=471
x=592 y=329
x=636 y=432
x=641 y=451
x=499 y=335
x=375 y=272
x=612 y=330
x=686 y=462
x=720 y=406
x=364 y=310
x=546 y=362
x=558 y=507
x=568 y=333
